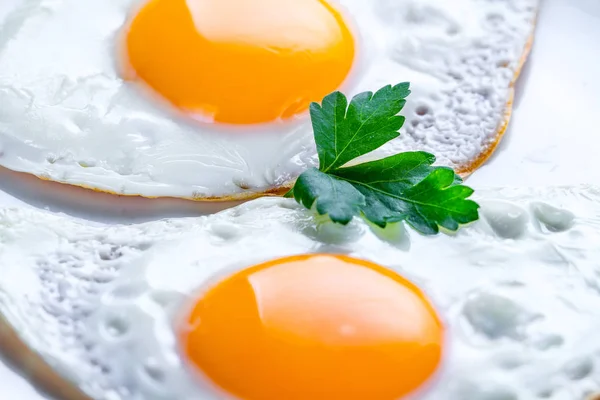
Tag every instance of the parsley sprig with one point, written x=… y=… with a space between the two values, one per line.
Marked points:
x=403 y=187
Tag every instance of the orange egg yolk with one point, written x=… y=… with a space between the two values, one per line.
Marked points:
x=240 y=61
x=316 y=327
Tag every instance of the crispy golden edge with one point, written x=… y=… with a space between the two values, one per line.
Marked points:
x=466 y=170
x=272 y=192
x=33 y=367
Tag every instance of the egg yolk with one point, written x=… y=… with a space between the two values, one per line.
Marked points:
x=316 y=327
x=240 y=61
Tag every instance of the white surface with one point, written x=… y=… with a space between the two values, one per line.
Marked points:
x=553 y=138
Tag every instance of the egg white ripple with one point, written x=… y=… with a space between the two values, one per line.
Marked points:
x=519 y=290
x=67 y=115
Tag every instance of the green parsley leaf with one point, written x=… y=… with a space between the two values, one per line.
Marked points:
x=403 y=187
x=338 y=198
x=344 y=132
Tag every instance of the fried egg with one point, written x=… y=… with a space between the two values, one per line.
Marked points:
x=268 y=300
x=207 y=99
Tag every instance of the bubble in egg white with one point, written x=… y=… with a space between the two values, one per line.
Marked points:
x=579 y=369
x=496 y=316
x=552 y=218
x=67 y=115
x=507 y=220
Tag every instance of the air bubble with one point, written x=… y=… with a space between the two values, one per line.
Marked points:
x=579 y=369
x=456 y=76
x=153 y=371
x=422 y=110
x=110 y=254
x=126 y=292
x=453 y=30
x=549 y=342
x=503 y=63
x=143 y=246
x=485 y=92
x=495 y=18
x=552 y=218
x=487 y=391
x=226 y=231
x=116 y=327
x=507 y=220
x=496 y=317
x=241 y=184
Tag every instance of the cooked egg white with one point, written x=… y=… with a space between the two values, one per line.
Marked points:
x=96 y=109
x=517 y=291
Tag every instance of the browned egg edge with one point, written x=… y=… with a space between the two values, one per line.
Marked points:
x=467 y=169
x=33 y=367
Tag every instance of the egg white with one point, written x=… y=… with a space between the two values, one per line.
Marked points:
x=67 y=115
x=518 y=290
